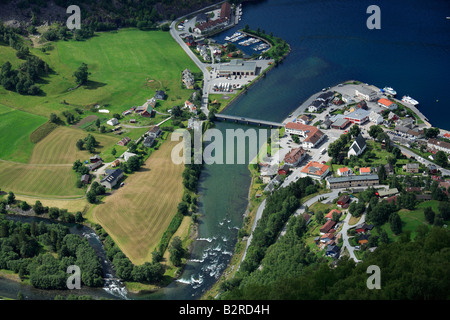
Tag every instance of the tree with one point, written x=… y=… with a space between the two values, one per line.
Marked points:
x=134 y=163
x=431 y=133
x=396 y=223
x=25 y=206
x=441 y=159
x=176 y=251
x=80 y=144
x=114 y=151
x=54 y=118
x=183 y=208
x=382 y=173
x=91 y=197
x=38 y=207
x=429 y=215
x=355 y=130
x=81 y=74
x=11 y=198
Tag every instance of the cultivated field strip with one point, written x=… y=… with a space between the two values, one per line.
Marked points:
x=137 y=214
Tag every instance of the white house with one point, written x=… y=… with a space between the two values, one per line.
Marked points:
x=112 y=122
x=344 y=172
x=375 y=118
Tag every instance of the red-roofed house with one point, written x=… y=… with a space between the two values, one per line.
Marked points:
x=327 y=227
x=388 y=104
x=365 y=170
x=344 y=172
x=329 y=216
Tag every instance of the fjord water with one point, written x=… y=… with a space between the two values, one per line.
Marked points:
x=331 y=43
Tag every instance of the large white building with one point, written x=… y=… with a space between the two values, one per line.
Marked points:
x=312 y=135
x=366 y=94
x=375 y=118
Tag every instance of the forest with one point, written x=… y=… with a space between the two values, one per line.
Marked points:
x=42 y=252
x=418 y=269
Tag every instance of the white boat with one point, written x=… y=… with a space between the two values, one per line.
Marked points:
x=410 y=100
x=390 y=91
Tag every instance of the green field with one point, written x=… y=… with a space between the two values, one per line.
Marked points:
x=15 y=129
x=126 y=68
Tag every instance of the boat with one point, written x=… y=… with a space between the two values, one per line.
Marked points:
x=390 y=91
x=410 y=100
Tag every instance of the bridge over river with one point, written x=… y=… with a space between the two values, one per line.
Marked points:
x=245 y=120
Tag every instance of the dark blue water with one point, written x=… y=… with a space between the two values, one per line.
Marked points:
x=331 y=43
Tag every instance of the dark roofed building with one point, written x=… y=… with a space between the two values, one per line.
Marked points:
x=85 y=178
x=160 y=95
x=148 y=141
x=225 y=11
x=111 y=180
x=201 y=18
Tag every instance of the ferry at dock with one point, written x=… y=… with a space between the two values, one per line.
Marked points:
x=410 y=100
x=390 y=91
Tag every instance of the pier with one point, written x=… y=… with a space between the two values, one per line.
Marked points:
x=245 y=120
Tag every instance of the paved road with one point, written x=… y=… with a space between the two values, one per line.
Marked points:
x=423 y=160
x=345 y=237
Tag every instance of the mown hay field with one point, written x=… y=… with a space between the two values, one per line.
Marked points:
x=137 y=214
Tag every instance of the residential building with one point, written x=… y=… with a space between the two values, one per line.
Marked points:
x=316 y=106
x=95 y=165
x=357 y=147
x=359 y=116
x=95 y=158
x=366 y=94
x=111 y=180
x=316 y=170
x=387 y=104
x=327 y=227
x=353 y=181
x=127 y=155
x=154 y=131
x=439 y=145
x=112 y=122
x=365 y=170
x=188 y=79
x=329 y=216
x=295 y=156
x=389 y=168
x=189 y=105
x=343 y=200
x=284 y=170
x=148 y=141
x=375 y=118
x=363 y=228
x=124 y=141
x=333 y=251
x=160 y=95
x=85 y=178
x=411 y=167
x=304 y=119
x=267 y=173
x=343 y=172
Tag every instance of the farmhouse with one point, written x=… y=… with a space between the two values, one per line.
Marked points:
x=85 y=178
x=124 y=141
x=127 y=155
x=237 y=67
x=112 y=122
x=95 y=158
x=160 y=95
x=316 y=170
x=148 y=141
x=352 y=181
x=95 y=165
x=154 y=131
x=358 y=146
x=366 y=94
x=294 y=157
x=111 y=180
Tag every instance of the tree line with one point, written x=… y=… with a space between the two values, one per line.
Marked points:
x=42 y=252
